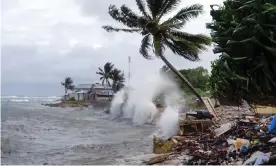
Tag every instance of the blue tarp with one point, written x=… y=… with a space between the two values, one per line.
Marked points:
x=272 y=127
x=108 y=92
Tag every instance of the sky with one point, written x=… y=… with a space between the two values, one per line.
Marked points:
x=44 y=41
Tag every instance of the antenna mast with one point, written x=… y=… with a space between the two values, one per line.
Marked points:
x=129 y=60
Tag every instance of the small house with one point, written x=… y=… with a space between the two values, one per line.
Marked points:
x=81 y=92
x=100 y=92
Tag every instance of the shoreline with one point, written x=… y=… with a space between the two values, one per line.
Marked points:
x=79 y=104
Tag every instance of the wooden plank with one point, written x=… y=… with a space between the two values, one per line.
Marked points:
x=264 y=110
x=207 y=102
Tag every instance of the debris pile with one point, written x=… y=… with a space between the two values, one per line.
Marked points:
x=248 y=140
x=230 y=144
x=226 y=135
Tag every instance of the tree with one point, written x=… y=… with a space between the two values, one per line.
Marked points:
x=68 y=85
x=159 y=34
x=198 y=77
x=244 y=35
x=106 y=73
x=118 y=79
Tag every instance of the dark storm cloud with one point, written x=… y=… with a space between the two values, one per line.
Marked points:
x=64 y=38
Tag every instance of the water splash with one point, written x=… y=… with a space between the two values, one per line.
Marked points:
x=140 y=106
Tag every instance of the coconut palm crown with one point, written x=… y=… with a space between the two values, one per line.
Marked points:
x=157 y=34
x=106 y=73
x=68 y=84
x=118 y=79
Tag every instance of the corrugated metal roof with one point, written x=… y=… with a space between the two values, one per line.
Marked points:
x=83 y=86
x=101 y=86
x=82 y=91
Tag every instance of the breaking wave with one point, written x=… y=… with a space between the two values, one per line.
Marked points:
x=30 y=98
x=140 y=106
x=18 y=100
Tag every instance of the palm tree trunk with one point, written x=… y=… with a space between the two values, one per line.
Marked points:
x=181 y=77
x=65 y=91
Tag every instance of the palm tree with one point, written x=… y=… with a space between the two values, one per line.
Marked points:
x=118 y=79
x=68 y=85
x=106 y=73
x=159 y=34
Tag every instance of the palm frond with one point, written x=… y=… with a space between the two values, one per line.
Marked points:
x=142 y=8
x=99 y=73
x=270 y=7
x=68 y=81
x=182 y=48
x=101 y=70
x=196 y=39
x=120 y=16
x=185 y=14
x=155 y=7
x=167 y=7
x=175 y=25
x=108 y=67
x=145 y=45
x=111 y=29
x=128 y=13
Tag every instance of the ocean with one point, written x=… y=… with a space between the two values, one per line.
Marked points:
x=37 y=134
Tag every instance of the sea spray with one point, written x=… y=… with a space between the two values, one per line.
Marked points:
x=144 y=113
x=140 y=105
x=168 y=123
x=115 y=108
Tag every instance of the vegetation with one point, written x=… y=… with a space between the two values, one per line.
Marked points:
x=106 y=73
x=68 y=84
x=118 y=79
x=244 y=33
x=158 y=34
x=114 y=74
x=198 y=77
x=75 y=102
x=71 y=99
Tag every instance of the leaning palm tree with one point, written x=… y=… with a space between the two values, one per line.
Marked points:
x=68 y=85
x=106 y=73
x=160 y=34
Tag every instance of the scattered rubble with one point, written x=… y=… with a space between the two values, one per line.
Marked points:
x=245 y=139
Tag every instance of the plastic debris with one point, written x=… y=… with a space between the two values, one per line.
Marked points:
x=244 y=141
x=272 y=127
x=273 y=140
x=262 y=159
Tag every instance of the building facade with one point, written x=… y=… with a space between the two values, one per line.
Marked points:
x=81 y=92
x=100 y=92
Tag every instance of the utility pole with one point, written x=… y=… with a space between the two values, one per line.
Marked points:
x=129 y=60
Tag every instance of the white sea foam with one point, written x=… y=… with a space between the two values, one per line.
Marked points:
x=141 y=109
x=19 y=100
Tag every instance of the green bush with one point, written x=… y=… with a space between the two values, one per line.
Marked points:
x=72 y=99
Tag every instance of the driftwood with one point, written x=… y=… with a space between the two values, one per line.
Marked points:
x=158 y=159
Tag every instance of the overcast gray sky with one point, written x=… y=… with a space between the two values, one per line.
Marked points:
x=44 y=41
